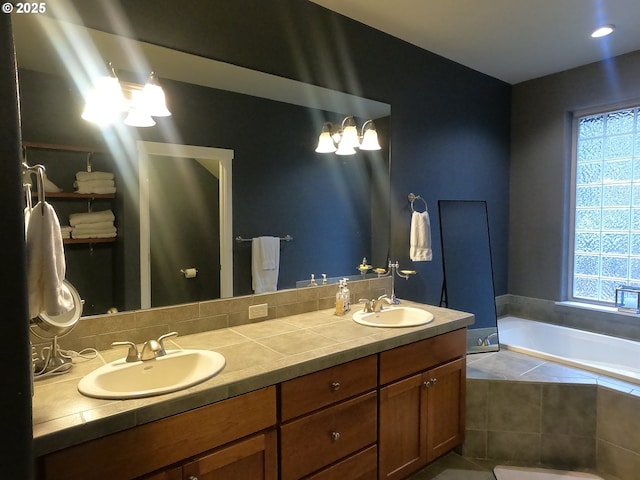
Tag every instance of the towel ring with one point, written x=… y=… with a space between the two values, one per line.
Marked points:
x=412 y=198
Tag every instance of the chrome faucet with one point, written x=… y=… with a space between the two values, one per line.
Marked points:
x=150 y=350
x=374 y=305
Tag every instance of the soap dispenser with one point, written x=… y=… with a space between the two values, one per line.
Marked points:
x=340 y=299
x=347 y=295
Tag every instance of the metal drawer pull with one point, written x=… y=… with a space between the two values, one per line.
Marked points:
x=335 y=386
x=193 y=477
x=430 y=382
x=335 y=436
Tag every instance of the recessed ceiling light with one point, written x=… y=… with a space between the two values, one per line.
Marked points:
x=603 y=31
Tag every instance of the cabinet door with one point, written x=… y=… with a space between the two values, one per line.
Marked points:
x=402 y=434
x=444 y=407
x=254 y=458
x=174 y=473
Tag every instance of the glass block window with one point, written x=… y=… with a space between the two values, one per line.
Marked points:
x=606 y=221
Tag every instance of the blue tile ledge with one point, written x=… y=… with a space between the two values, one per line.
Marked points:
x=258 y=355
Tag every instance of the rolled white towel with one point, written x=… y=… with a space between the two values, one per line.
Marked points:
x=94 y=176
x=91 y=217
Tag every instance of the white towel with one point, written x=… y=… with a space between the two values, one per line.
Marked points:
x=91 y=217
x=94 y=176
x=420 y=242
x=265 y=264
x=95 y=186
x=46 y=267
x=104 y=232
x=93 y=235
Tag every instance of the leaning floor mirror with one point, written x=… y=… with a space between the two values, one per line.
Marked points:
x=468 y=270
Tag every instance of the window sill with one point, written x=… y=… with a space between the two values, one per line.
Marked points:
x=609 y=311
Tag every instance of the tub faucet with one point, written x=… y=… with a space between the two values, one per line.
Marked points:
x=486 y=341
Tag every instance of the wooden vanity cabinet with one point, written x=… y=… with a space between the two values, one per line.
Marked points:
x=379 y=417
x=206 y=435
x=329 y=427
x=422 y=401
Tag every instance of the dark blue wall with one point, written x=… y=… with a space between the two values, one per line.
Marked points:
x=450 y=124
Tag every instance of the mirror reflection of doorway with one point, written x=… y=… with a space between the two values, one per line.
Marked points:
x=195 y=186
x=184 y=231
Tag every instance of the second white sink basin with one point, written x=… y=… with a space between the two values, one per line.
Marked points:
x=394 y=317
x=177 y=370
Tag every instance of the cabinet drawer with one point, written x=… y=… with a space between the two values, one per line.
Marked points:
x=312 y=442
x=416 y=357
x=316 y=390
x=361 y=466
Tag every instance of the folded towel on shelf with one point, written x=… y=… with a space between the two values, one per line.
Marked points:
x=420 y=241
x=46 y=266
x=89 y=231
x=91 y=217
x=98 y=190
x=84 y=235
x=66 y=231
x=93 y=226
x=95 y=186
x=94 y=176
x=265 y=264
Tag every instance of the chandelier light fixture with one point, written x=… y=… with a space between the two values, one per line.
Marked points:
x=345 y=139
x=111 y=100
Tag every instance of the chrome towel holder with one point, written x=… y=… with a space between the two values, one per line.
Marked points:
x=412 y=198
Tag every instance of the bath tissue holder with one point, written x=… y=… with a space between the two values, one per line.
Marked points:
x=189 y=272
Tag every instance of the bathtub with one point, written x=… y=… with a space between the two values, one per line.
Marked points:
x=610 y=356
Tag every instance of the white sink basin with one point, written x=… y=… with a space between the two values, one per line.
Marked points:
x=177 y=370
x=394 y=317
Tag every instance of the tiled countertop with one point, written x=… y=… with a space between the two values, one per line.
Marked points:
x=257 y=355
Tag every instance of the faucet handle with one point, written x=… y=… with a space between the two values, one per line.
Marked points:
x=367 y=305
x=132 y=354
x=161 y=340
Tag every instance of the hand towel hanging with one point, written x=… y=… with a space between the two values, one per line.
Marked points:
x=46 y=266
x=420 y=241
x=265 y=264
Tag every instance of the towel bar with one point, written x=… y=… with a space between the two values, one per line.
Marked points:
x=286 y=238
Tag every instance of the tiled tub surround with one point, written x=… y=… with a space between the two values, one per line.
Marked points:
x=258 y=355
x=527 y=411
x=138 y=326
x=605 y=321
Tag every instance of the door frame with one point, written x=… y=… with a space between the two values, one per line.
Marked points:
x=224 y=158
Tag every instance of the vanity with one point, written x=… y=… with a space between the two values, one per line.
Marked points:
x=370 y=403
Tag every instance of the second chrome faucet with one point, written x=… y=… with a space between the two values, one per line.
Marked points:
x=150 y=350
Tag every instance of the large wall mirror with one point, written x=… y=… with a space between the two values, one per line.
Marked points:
x=278 y=186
